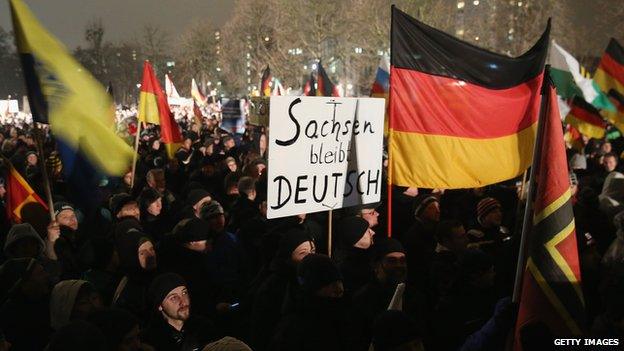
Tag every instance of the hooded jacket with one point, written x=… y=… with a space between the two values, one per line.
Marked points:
x=19 y=232
x=62 y=302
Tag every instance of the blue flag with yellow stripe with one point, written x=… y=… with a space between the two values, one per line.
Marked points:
x=65 y=95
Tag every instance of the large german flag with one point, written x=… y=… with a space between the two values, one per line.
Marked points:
x=586 y=119
x=551 y=288
x=460 y=116
x=154 y=108
x=610 y=72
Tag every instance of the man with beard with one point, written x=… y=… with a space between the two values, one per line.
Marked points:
x=173 y=327
x=419 y=240
x=316 y=321
x=390 y=268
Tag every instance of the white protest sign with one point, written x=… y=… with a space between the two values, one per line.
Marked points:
x=324 y=153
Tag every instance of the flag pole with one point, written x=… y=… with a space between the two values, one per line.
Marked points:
x=329 y=232
x=136 y=151
x=528 y=210
x=44 y=170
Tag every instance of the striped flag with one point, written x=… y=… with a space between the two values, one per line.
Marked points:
x=567 y=75
x=154 y=108
x=309 y=89
x=278 y=88
x=551 y=288
x=265 y=83
x=460 y=116
x=197 y=95
x=586 y=119
x=615 y=117
x=19 y=193
x=325 y=87
x=610 y=72
x=381 y=86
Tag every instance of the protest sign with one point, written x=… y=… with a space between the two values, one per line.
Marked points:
x=324 y=153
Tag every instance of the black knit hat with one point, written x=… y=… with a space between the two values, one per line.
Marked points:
x=118 y=201
x=192 y=229
x=351 y=230
x=162 y=285
x=393 y=329
x=147 y=197
x=195 y=196
x=316 y=271
x=291 y=240
x=422 y=201
x=62 y=206
x=385 y=246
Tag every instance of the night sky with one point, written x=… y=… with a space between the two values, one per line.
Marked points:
x=67 y=19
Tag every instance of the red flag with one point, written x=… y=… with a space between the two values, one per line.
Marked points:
x=551 y=289
x=19 y=193
x=154 y=108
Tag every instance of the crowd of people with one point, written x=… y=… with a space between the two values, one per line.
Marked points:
x=180 y=256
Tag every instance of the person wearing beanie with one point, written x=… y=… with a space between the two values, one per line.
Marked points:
x=22 y=241
x=196 y=200
x=244 y=207
x=226 y=259
x=123 y=205
x=390 y=267
x=184 y=251
x=353 y=252
x=120 y=328
x=24 y=304
x=137 y=259
x=396 y=331
x=419 y=239
x=490 y=236
x=318 y=315
x=294 y=245
x=173 y=327
x=65 y=215
x=71 y=300
x=153 y=221
x=155 y=179
x=489 y=219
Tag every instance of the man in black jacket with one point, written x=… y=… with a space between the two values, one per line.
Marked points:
x=173 y=327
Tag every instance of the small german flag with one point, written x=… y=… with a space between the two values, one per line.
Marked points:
x=610 y=72
x=325 y=85
x=615 y=117
x=265 y=84
x=586 y=119
x=309 y=89
x=19 y=193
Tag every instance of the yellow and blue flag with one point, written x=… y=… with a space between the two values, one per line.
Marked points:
x=62 y=93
